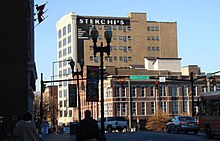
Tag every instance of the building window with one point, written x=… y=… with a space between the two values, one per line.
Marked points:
x=148 y=38
x=60 y=44
x=64 y=52
x=115 y=47
x=148 y=28
x=129 y=37
x=115 y=58
x=118 y=109
x=61 y=113
x=152 y=107
x=120 y=58
x=120 y=37
x=60 y=94
x=163 y=106
x=69 y=28
x=125 y=59
x=157 y=28
x=64 y=31
x=153 y=48
x=65 y=93
x=64 y=41
x=69 y=39
x=152 y=28
x=124 y=38
x=122 y=92
x=70 y=113
x=185 y=90
x=162 y=90
x=65 y=103
x=60 y=54
x=185 y=107
x=120 y=47
x=59 y=34
x=117 y=91
x=157 y=49
x=91 y=58
x=149 y=48
x=114 y=27
x=124 y=28
x=110 y=58
x=143 y=92
x=133 y=91
x=123 y=108
x=174 y=107
x=157 y=38
x=153 y=38
x=60 y=103
x=174 y=90
x=69 y=49
x=143 y=107
x=125 y=49
x=134 y=108
x=129 y=27
x=65 y=113
x=119 y=27
x=129 y=58
x=129 y=48
x=151 y=90
x=115 y=37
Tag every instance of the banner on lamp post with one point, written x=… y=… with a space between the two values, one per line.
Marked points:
x=92 y=84
x=72 y=95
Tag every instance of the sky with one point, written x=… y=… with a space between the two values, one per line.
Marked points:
x=197 y=27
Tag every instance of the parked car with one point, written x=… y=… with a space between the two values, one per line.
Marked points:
x=113 y=123
x=183 y=124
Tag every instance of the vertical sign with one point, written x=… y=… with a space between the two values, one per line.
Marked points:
x=92 y=83
x=72 y=95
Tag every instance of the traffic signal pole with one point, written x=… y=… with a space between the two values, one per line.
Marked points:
x=192 y=89
x=41 y=98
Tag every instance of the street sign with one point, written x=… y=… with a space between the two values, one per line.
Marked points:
x=139 y=77
x=162 y=79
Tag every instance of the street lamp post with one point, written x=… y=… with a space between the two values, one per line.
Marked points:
x=77 y=73
x=101 y=49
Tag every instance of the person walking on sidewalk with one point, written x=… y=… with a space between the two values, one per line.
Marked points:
x=88 y=129
x=25 y=129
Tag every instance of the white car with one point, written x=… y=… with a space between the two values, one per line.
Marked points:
x=114 y=123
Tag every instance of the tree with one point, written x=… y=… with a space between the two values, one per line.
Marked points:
x=158 y=121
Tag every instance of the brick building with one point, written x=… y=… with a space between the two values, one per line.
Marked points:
x=18 y=69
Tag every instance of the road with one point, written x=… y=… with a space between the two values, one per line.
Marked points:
x=138 y=136
x=156 y=136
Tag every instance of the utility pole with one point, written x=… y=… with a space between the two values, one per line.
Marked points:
x=192 y=89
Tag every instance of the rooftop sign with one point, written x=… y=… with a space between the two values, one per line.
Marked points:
x=84 y=23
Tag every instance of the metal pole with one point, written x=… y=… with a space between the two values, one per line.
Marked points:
x=192 y=89
x=79 y=104
x=102 y=99
x=41 y=99
x=129 y=105
x=53 y=112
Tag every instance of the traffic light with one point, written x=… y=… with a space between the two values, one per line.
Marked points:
x=156 y=84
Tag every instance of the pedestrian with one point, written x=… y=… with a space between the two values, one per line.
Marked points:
x=25 y=129
x=44 y=126
x=88 y=129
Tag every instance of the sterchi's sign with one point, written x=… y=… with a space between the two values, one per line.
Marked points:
x=103 y=21
x=84 y=23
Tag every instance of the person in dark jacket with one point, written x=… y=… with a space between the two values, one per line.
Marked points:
x=88 y=129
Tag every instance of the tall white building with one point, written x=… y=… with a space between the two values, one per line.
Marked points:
x=66 y=49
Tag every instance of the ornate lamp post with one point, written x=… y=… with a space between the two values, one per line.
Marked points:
x=77 y=73
x=101 y=49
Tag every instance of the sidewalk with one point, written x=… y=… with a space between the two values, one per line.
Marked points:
x=58 y=137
